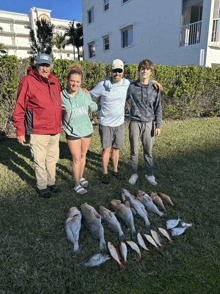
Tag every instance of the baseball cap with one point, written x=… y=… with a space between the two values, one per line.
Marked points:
x=117 y=63
x=44 y=58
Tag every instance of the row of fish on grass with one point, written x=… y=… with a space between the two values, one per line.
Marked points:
x=155 y=240
x=92 y=219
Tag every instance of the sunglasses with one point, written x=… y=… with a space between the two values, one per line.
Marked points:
x=119 y=70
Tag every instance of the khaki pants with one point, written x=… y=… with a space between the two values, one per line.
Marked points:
x=45 y=152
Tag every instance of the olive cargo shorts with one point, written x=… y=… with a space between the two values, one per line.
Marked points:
x=45 y=153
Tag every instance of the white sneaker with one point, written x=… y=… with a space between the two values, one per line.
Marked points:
x=133 y=179
x=151 y=180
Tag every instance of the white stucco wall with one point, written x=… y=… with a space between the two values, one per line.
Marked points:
x=156 y=31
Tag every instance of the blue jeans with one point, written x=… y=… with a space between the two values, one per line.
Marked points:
x=144 y=132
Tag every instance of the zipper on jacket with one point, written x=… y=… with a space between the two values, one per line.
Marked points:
x=53 y=92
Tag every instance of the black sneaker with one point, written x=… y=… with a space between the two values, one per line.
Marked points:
x=54 y=189
x=118 y=176
x=105 y=179
x=44 y=193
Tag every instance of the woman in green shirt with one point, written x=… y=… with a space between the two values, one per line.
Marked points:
x=77 y=124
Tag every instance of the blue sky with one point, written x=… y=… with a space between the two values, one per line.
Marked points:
x=64 y=9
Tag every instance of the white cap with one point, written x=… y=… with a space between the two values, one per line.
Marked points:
x=117 y=63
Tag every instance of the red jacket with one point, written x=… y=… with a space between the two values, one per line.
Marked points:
x=38 y=108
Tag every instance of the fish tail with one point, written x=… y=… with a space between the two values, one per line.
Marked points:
x=162 y=247
x=171 y=241
x=77 y=252
x=121 y=265
x=122 y=238
x=158 y=249
x=103 y=246
x=126 y=262
x=140 y=258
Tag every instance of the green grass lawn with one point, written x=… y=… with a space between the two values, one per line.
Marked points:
x=35 y=256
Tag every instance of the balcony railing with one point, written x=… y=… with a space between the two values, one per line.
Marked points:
x=190 y=34
x=216 y=30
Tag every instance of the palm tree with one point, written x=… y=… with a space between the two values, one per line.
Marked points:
x=60 y=42
x=42 y=41
x=79 y=36
x=70 y=32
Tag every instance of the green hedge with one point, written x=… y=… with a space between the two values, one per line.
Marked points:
x=189 y=91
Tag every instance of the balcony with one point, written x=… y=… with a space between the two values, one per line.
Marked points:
x=190 y=34
x=216 y=30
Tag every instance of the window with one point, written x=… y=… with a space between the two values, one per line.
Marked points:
x=91 y=15
x=92 y=50
x=106 y=5
x=127 y=37
x=106 y=43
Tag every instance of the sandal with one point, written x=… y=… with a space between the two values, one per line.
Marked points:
x=83 y=182
x=80 y=190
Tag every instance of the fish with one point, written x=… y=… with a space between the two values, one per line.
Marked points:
x=157 y=239
x=148 y=203
x=166 y=197
x=178 y=231
x=114 y=253
x=123 y=250
x=166 y=234
x=72 y=228
x=135 y=247
x=172 y=223
x=112 y=221
x=137 y=205
x=157 y=200
x=124 y=212
x=92 y=221
x=151 y=240
x=187 y=225
x=141 y=242
x=96 y=260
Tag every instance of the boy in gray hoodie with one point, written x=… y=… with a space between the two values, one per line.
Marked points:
x=146 y=112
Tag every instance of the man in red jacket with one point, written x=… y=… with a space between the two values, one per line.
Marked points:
x=38 y=112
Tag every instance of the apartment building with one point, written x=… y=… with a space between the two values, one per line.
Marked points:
x=15 y=30
x=167 y=32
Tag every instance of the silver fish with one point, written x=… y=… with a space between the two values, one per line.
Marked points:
x=142 y=243
x=96 y=260
x=172 y=223
x=123 y=250
x=125 y=213
x=137 y=205
x=112 y=221
x=151 y=240
x=187 y=225
x=148 y=203
x=92 y=221
x=114 y=253
x=157 y=239
x=178 y=231
x=135 y=247
x=72 y=227
x=165 y=233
